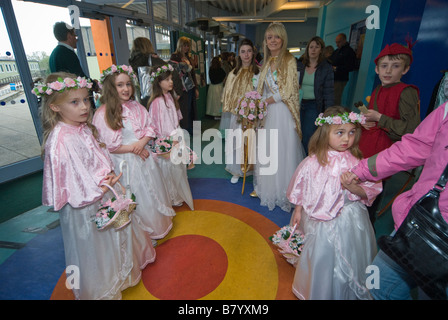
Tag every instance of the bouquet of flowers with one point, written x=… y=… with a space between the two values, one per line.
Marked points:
x=290 y=243
x=251 y=108
x=161 y=146
x=115 y=211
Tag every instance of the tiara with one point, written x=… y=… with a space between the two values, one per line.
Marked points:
x=340 y=118
x=118 y=69
x=41 y=89
x=159 y=71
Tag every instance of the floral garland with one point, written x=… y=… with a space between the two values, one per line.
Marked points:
x=45 y=89
x=159 y=71
x=119 y=69
x=340 y=118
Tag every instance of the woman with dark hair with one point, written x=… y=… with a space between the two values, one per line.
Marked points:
x=187 y=100
x=240 y=80
x=316 y=80
x=143 y=55
x=216 y=75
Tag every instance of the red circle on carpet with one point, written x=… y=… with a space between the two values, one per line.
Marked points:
x=190 y=257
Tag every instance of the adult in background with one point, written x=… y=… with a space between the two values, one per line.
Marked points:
x=343 y=60
x=214 y=93
x=278 y=83
x=143 y=55
x=63 y=58
x=317 y=84
x=187 y=100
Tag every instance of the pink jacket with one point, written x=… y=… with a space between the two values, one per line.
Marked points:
x=133 y=111
x=428 y=147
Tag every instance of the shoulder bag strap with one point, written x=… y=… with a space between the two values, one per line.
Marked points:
x=440 y=185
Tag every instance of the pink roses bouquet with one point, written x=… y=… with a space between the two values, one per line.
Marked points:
x=251 y=108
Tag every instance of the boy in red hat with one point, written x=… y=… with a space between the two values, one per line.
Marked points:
x=394 y=107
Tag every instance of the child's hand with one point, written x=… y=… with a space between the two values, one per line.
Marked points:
x=144 y=154
x=372 y=116
x=111 y=179
x=369 y=124
x=348 y=178
x=296 y=215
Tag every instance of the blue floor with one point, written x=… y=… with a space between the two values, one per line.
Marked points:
x=31 y=271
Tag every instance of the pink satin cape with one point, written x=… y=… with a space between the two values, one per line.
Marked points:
x=318 y=189
x=74 y=167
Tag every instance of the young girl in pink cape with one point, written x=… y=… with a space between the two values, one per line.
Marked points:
x=165 y=116
x=124 y=125
x=76 y=167
x=339 y=239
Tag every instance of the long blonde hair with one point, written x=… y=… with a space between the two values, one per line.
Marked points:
x=277 y=29
x=319 y=141
x=180 y=44
x=109 y=97
x=50 y=118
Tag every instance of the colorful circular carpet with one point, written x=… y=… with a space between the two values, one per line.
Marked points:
x=219 y=251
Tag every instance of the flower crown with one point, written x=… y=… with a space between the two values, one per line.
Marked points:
x=119 y=69
x=341 y=118
x=159 y=71
x=41 y=89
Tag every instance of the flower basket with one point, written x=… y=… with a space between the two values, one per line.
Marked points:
x=115 y=212
x=290 y=243
x=161 y=146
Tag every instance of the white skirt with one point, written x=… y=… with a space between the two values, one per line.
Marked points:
x=234 y=148
x=176 y=181
x=106 y=260
x=285 y=153
x=154 y=210
x=214 y=106
x=336 y=253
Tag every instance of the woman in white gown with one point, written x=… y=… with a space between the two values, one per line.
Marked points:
x=278 y=84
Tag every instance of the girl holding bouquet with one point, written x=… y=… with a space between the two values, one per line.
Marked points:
x=339 y=238
x=278 y=84
x=76 y=167
x=239 y=81
x=165 y=116
x=124 y=126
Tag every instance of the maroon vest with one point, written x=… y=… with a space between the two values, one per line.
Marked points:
x=385 y=100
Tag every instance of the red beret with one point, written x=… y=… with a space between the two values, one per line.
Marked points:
x=394 y=49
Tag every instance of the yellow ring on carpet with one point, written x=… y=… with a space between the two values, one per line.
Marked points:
x=252 y=271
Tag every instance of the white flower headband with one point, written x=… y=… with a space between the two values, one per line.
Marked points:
x=118 y=69
x=341 y=118
x=41 y=89
x=159 y=71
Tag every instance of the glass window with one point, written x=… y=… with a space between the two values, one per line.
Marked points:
x=184 y=13
x=134 y=32
x=175 y=11
x=163 y=42
x=159 y=9
x=18 y=135
x=139 y=6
